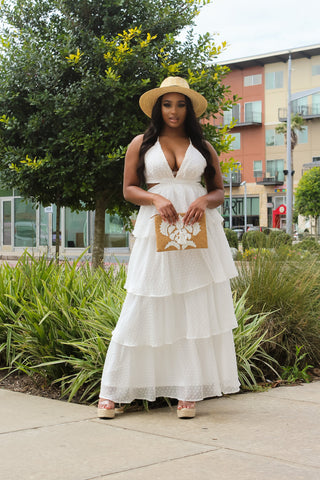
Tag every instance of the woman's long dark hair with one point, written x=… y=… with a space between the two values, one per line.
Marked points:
x=193 y=131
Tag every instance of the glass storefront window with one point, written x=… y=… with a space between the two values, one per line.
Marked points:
x=24 y=223
x=76 y=229
x=44 y=227
x=6 y=222
x=115 y=234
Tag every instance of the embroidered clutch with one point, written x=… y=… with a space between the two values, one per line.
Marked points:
x=178 y=236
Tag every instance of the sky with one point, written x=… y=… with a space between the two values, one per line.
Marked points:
x=253 y=27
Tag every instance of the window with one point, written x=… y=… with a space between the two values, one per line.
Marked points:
x=274 y=80
x=316 y=104
x=300 y=106
x=316 y=159
x=76 y=227
x=44 y=227
x=232 y=114
x=273 y=138
x=257 y=168
x=316 y=69
x=275 y=169
x=235 y=144
x=115 y=234
x=251 y=80
x=252 y=112
x=303 y=135
x=24 y=223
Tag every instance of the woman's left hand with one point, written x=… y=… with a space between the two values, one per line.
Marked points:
x=196 y=210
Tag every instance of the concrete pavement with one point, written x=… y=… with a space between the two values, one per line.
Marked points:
x=273 y=435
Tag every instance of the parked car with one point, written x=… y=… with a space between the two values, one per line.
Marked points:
x=239 y=231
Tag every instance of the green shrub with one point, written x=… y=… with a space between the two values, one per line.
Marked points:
x=253 y=239
x=232 y=238
x=277 y=238
x=57 y=320
x=309 y=244
x=250 y=344
x=288 y=285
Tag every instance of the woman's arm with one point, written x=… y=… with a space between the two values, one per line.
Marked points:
x=213 y=198
x=132 y=191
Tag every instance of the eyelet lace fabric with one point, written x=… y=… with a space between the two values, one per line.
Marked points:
x=174 y=335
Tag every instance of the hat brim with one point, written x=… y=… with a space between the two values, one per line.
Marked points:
x=148 y=99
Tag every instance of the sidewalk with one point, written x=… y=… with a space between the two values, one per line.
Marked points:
x=273 y=435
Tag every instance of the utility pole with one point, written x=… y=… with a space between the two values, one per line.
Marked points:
x=230 y=199
x=244 y=184
x=289 y=162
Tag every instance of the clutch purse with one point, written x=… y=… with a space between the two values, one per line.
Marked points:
x=178 y=236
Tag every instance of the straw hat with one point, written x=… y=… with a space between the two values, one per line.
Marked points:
x=172 y=85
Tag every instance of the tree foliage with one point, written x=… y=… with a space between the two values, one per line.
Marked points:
x=71 y=76
x=307 y=195
x=297 y=125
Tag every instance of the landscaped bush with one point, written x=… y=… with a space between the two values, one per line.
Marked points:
x=57 y=320
x=309 y=244
x=286 y=284
x=232 y=238
x=277 y=238
x=253 y=239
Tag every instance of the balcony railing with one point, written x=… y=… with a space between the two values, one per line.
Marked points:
x=307 y=166
x=251 y=118
x=236 y=179
x=270 y=178
x=306 y=111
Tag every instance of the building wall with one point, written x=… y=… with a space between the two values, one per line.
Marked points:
x=253 y=139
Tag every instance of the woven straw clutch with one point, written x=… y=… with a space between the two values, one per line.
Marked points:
x=178 y=236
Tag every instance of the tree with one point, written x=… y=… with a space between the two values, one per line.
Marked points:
x=307 y=195
x=71 y=75
x=297 y=125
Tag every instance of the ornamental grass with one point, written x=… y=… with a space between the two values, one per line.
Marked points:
x=56 y=320
x=286 y=284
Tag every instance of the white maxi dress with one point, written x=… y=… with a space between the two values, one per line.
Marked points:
x=174 y=335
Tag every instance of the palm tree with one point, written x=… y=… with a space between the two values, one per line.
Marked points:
x=297 y=124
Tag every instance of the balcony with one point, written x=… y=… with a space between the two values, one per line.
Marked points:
x=251 y=119
x=269 y=178
x=236 y=179
x=307 y=166
x=307 y=112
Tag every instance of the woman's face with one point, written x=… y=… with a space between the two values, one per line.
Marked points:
x=174 y=109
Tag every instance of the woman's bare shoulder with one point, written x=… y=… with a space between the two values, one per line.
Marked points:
x=136 y=142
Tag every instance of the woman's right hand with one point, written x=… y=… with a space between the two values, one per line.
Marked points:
x=165 y=208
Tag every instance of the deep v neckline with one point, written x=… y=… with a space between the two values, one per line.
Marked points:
x=174 y=173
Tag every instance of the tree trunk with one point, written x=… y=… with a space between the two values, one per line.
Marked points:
x=58 y=230
x=99 y=231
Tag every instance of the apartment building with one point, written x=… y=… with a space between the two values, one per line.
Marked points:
x=261 y=82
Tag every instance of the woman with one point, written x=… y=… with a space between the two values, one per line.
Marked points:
x=174 y=335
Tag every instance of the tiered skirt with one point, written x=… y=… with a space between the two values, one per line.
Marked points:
x=174 y=335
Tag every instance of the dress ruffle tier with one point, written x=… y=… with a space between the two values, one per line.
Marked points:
x=174 y=335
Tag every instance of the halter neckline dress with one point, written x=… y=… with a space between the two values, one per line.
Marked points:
x=174 y=335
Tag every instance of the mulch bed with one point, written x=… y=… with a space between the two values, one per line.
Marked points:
x=37 y=385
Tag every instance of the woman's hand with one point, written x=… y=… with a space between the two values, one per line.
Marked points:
x=165 y=208
x=196 y=210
